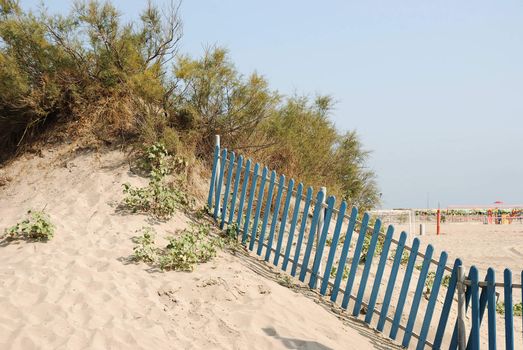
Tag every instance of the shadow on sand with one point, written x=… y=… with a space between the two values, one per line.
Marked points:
x=268 y=271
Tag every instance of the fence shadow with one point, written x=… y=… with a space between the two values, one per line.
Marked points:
x=271 y=272
x=291 y=343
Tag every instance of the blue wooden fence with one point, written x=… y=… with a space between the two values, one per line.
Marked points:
x=356 y=263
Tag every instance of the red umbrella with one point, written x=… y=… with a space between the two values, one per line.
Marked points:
x=498 y=202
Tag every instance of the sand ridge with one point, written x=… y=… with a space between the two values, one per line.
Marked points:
x=80 y=291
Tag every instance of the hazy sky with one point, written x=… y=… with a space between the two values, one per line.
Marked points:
x=434 y=89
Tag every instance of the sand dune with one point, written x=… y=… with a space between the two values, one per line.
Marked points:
x=79 y=290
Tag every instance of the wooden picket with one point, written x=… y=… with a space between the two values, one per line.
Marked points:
x=278 y=219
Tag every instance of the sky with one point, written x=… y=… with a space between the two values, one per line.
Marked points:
x=433 y=88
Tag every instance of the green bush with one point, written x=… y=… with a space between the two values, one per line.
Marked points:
x=90 y=73
x=145 y=250
x=345 y=275
x=366 y=244
x=37 y=226
x=191 y=247
x=158 y=198
x=429 y=282
x=517 y=309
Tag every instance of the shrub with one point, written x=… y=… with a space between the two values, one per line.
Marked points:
x=37 y=227
x=192 y=247
x=146 y=250
x=366 y=244
x=429 y=282
x=88 y=72
x=158 y=198
x=334 y=271
x=231 y=232
x=405 y=255
x=517 y=309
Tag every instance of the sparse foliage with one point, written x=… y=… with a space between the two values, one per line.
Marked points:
x=90 y=73
x=517 y=308
x=159 y=198
x=37 y=226
x=145 y=249
x=192 y=246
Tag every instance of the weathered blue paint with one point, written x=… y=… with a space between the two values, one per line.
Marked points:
x=213 y=176
x=474 y=305
x=259 y=205
x=310 y=240
x=227 y=189
x=477 y=315
x=267 y=213
x=237 y=178
x=509 y=310
x=454 y=340
x=391 y=285
x=491 y=302
x=301 y=233
x=355 y=260
x=482 y=302
x=332 y=250
x=379 y=274
x=366 y=269
x=218 y=190
x=447 y=304
x=344 y=254
x=246 y=176
x=321 y=242
x=429 y=311
x=417 y=295
x=294 y=221
x=249 y=205
x=275 y=215
x=473 y=339
x=283 y=221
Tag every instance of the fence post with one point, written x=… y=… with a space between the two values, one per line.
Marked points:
x=321 y=222
x=462 y=337
x=219 y=163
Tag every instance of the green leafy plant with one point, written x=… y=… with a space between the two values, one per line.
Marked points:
x=429 y=282
x=192 y=247
x=231 y=232
x=404 y=256
x=154 y=159
x=366 y=244
x=285 y=280
x=334 y=271
x=37 y=226
x=517 y=309
x=145 y=250
x=158 y=198
x=500 y=308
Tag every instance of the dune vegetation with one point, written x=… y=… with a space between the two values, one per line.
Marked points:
x=89 y=75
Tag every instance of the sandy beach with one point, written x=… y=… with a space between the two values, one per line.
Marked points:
x=80 y=291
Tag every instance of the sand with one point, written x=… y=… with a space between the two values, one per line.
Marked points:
x=496 y=246
x=80 y=291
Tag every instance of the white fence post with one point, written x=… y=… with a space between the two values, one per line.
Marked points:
x=462 y=335
x=321 y=221
x=218 y=163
